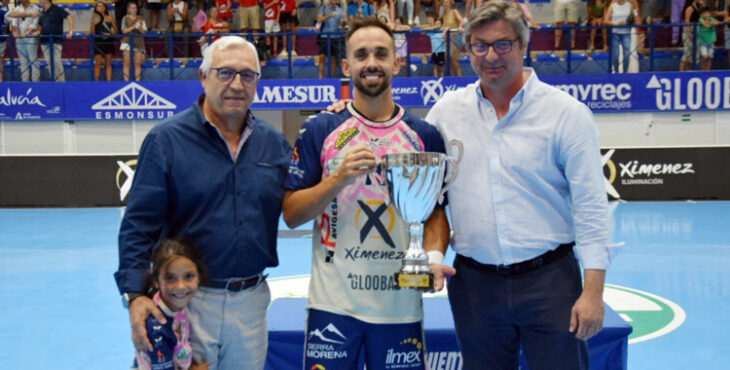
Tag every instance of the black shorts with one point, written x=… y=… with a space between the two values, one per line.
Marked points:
x=154 y=6
x=438 y=59
x=288 y=18
x=336 y=47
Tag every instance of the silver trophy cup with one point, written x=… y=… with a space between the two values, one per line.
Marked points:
x=415 y=182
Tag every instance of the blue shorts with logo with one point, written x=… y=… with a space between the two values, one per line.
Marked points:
x=338 y=342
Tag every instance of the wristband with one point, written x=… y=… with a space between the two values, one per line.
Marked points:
x=435 y=257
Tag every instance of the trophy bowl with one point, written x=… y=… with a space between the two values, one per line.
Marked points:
x=416 y=181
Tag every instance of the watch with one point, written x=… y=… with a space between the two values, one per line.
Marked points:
x=127 y=298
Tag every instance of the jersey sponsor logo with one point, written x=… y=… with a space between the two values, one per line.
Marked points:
x=320 y=343
x=413 y=140
x=160 y=356
x=328 y=226
x=373 y=220
x=444 y=360
x=407 y=355
x=317 y=367
x=294 y=165
x=345 y=136
x=372 y=282
x=358 y=253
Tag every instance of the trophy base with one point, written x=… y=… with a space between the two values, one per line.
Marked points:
x=420 y=281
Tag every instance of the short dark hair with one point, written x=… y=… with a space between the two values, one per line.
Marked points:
x=359 y=23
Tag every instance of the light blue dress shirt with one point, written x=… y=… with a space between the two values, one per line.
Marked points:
x=528 y=182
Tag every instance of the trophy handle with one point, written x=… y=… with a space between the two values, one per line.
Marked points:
x=453 y=168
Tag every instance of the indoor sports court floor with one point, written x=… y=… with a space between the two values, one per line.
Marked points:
x=59 y=307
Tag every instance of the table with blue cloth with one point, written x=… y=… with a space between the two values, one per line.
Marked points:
x=287 y=318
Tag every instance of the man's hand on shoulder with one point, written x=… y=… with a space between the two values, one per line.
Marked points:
x=337 y=106
x=139 y=310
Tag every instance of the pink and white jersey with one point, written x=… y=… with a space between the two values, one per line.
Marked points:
x=359 y=240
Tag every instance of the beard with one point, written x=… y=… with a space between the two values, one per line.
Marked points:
x=370 y=90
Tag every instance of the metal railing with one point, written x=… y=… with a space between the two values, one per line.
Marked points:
x=170 y=54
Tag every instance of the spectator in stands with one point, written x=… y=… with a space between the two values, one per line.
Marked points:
x=566 y=11
x=435 y=6
x=528 y=15
x=405 y=10
x=596 y=11
x=453 y=24
x=249 y=15
x=691 y=15
x=676 y=16
x=401 y=41
x=271 y=24
x=134 y=24
x=154 y=7
x=288 y=22
x=471 y=4
x=103 y=24
x=25 y=29
x=707 y=36
x=385 y=11
x=359 y=9
x=51 y=27
x=726 y=19
x=224 y=10
x=177 y=16
x=4 y=27
x=620 y=14
x=213 y=26
x=120 y=9
x=437 y=33
x=330 y=39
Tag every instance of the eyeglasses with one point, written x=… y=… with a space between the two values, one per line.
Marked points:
x=226 y=75
x=500 y=47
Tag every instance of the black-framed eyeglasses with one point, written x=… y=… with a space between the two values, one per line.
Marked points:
x=500 y=46
x=226 y=74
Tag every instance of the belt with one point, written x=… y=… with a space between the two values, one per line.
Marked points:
x=524 y=266
x=236 y=284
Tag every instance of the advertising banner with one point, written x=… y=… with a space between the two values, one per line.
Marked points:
x=667 y=173
x=36 y=101
x=156 y=100
x=604 y=93
x=66 y=181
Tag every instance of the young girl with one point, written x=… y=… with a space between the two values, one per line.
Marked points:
x=176 y=273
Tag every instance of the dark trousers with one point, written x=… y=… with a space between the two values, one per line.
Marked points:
x=495 y=313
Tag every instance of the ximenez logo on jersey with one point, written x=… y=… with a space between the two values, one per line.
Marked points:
x=133 y=102
x=407 y=355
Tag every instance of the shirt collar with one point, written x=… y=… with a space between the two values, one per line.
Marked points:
x=247 y=126
x=526 y=89
x=160 y=303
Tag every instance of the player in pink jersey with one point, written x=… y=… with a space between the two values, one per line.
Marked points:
x=359 y=238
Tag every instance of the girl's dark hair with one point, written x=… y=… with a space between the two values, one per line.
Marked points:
x=165 y=252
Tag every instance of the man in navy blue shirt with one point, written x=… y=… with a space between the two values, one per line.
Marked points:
x=213 y=174
x=51 y=26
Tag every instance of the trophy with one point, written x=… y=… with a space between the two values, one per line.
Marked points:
x=416 y=181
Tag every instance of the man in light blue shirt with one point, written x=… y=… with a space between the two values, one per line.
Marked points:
x=528 y=204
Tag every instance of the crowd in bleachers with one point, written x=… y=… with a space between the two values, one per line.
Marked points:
x=123 y=37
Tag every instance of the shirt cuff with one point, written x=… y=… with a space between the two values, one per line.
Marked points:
x=130 y=280
x=593 y=257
